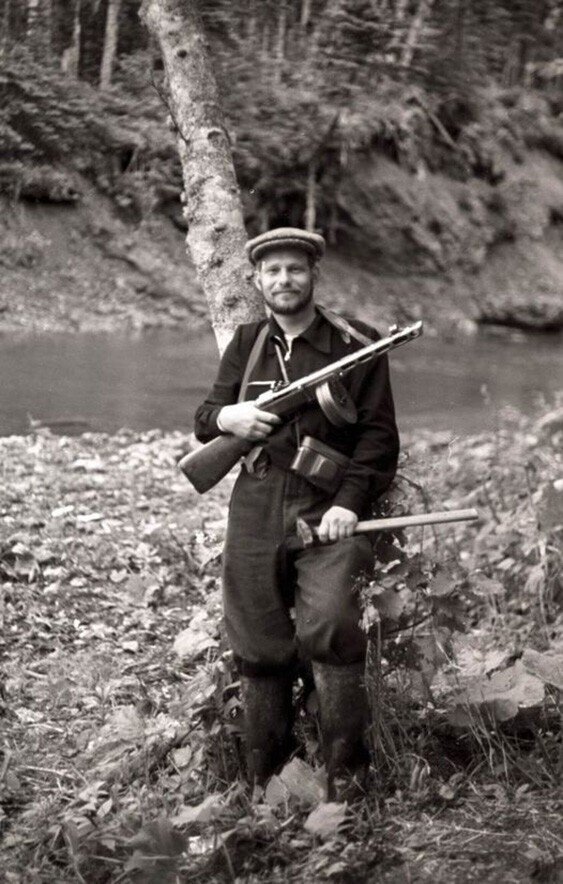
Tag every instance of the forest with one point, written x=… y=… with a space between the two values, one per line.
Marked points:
x=424 y=140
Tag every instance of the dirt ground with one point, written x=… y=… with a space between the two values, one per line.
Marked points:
x=87 y=267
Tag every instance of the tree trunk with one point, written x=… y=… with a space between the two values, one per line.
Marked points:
x=5 y=38
x=33 y=19
x=400 y=10
x=70 y=58
x=213 y=208
x=38 y=29
x=110 y=43
x=415 y=31
x=311 y=207
x=305 y=13
x=280 y=41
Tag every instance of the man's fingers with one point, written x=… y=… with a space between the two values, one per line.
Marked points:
x=268 y=418
x=322 y=532
x=333 y=529
x=263 y=429
x=329 y=531
x=247 y=421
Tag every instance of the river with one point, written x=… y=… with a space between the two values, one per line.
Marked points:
x=104 y=382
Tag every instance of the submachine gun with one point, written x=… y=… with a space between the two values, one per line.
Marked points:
x=207 y=465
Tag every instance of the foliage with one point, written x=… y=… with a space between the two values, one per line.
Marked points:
x=307 y=87
x=56 y=129
x=502 y=590
x=120 y=703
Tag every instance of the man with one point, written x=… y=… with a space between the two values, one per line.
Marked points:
x=262 y=580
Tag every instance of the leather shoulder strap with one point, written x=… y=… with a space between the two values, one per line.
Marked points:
x=253 y=358
x=345 y=328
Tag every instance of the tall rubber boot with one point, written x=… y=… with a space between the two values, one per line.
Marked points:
x=268 y=723
x=344 y=717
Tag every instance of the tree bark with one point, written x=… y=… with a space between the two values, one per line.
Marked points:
x=400 y=10
x=311 y=207
x=213 y=208
x=38 y=29
x=110 y=43
x=5 y=38
x=415 y=31
x=70 y=58
x=305 y=13
x=280 y=40
x=33 y=20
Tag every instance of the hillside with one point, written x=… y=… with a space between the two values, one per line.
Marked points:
x=451 y=212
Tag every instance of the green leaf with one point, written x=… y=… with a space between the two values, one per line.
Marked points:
x=192 y=642
x=211 y=808
x=303 y=782
x=497 y=698
x=392 y=603
x=325 y=820
x=547 y=666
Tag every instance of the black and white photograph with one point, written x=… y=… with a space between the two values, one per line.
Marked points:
x=281 y=441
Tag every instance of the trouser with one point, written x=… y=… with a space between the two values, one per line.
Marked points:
x=262 y=582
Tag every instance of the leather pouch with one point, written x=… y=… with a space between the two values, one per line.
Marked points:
x=320 y=464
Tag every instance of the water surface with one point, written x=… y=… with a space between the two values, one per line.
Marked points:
x=104 y=382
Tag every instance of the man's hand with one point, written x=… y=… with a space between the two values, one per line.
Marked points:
x=246 y=421
x=336 y=524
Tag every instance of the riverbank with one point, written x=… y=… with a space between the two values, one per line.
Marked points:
x=456 y=254
x=120 y=704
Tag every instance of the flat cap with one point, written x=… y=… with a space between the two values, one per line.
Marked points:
x=285 y=237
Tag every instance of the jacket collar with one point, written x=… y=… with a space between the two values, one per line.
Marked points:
x=318 y=334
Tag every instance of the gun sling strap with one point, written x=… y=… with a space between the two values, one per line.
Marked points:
x=346 y=330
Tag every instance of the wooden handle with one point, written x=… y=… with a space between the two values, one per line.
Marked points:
x=309 y=538
x=420 y=519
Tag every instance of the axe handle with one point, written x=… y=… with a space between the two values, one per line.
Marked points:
x=297 y=542
x=437 y=518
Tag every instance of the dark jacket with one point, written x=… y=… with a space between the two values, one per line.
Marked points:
x=372 y=443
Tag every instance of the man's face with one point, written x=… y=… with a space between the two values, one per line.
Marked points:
x=286 y=280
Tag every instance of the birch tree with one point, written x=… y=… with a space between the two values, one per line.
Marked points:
x=70 y=59
x=212 y=206
x=38 y=28
x=5 y=31
x=414 y=32
x=110 y=43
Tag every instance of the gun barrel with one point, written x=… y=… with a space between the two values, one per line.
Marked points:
x=341 y=366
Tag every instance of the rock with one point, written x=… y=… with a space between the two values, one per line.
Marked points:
x=411 y=225
x=550 y=423
x=545 y=313
x=524 y=211
x=48 y=185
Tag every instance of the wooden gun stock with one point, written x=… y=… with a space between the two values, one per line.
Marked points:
x=207 y=465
